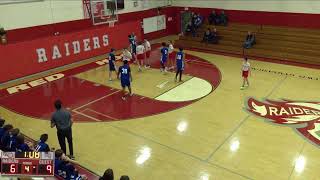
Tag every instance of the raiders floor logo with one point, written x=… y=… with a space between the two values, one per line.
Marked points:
x=303 y=117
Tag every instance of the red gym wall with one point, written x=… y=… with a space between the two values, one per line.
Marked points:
x=19 y=57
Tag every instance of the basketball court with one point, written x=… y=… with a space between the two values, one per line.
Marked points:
x=202 y=128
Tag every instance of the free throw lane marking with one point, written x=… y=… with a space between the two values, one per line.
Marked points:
x=104 y=115
x=90 y=117
x=192 y=89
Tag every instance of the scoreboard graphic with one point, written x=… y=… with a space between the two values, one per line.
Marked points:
x=27 y=163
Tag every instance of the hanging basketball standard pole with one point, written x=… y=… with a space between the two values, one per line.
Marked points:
x=87 y=7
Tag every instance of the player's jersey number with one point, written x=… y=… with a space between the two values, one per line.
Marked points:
x=124 y=71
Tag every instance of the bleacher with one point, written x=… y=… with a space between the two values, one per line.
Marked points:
x=281 y=43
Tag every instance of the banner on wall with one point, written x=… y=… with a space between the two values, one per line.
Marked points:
x=26 y=58
x=153 y=24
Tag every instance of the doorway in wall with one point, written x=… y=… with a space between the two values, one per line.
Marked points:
x=185 y=19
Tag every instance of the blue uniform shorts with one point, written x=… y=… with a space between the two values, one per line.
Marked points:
x=125 y=83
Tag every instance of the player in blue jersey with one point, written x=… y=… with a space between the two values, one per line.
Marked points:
x=64 y=167
x=164 y=57
x=112 y=65
x=179 y=64
x=22 y=146
x=42 y=146
x=124 y=74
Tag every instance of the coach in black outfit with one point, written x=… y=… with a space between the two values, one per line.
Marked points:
x=62 y=120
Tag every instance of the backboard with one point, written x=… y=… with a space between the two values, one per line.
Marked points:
x=104 y=11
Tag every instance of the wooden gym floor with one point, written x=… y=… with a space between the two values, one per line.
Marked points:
x=198 y=130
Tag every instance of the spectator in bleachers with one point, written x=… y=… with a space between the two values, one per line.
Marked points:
x=107 y=175
x=191 y=29
x=193 y=18
x=250 y=40
x=207 y=36
x=223 y=18
x=21 y=145
x=124 y=177
x=213 y=18
x=42 y=146
x=214 y=36
x=198 y=21
x=211 y=36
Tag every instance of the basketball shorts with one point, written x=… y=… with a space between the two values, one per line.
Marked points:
x=140 y=56
x=112 y=67
x=125 y=83
x=148 y=54
x=172 y=55
x=245 y=74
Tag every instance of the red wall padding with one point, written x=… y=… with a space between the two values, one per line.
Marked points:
x=21 y=59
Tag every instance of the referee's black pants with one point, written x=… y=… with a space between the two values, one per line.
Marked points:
x=62 y=135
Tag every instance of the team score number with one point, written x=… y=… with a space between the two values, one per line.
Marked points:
x=10 y=169
x=45 y=169
x=13 y=168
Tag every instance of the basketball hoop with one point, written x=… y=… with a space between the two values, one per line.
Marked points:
x=104 y=11
x=111 y=23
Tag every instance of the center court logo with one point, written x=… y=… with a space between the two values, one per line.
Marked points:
x=303 y=117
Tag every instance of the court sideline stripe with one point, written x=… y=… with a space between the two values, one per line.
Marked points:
x=96 y=100
x=178 y=151
x=243 y=120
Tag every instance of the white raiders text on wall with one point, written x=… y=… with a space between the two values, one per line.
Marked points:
x=71 y=48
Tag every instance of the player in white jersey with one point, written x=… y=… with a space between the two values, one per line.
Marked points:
x=171 y=55
x=141 y=55
x=126 y=55
x=245 y=73
x=147 y=47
